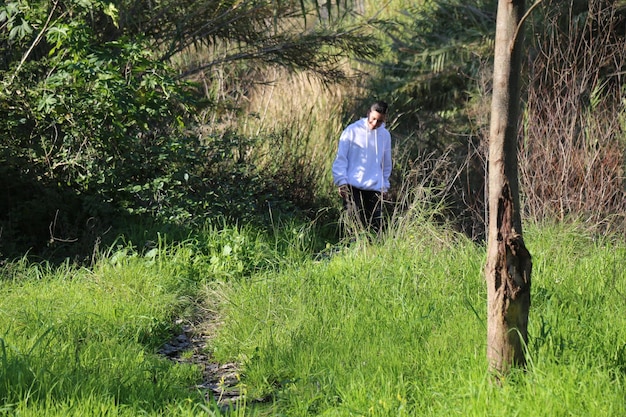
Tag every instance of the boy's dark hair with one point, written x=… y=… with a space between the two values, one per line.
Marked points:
x=380 y=107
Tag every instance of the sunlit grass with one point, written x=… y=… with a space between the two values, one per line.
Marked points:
x=84 y=341
x=398 y=328
x=384 y=326
x=70 y=334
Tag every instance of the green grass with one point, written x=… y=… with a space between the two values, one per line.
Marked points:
x=77 y=339
x=399 y=329
x=392 y=328
x=84 y=341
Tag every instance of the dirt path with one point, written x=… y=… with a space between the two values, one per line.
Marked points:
x=219 y=381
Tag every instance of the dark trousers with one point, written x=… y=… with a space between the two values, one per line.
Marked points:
x=366 y=206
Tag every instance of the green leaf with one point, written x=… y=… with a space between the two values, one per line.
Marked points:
x=20 y=31
x=87 y=4
x=47 y=102
x=9 y=11
x=113 y=13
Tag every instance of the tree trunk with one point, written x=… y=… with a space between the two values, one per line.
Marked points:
x=509 y=263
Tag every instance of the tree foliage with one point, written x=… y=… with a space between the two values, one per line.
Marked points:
x=96 y=121
x=271 y=32
x=83 y=120
x=435 y=55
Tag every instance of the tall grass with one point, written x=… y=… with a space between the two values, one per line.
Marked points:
x=399 y=329
x=78 y=341
x=389 y=326
x=301 y=119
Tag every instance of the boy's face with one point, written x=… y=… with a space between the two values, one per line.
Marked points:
x=374 y=119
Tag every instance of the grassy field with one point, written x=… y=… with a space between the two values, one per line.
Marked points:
x=390 y=328
x=399 y=329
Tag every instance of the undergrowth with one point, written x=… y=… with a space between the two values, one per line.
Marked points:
x=390 y=325
x=399 y=328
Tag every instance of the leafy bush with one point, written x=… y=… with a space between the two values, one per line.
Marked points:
x=98 y=125
x=85 y=122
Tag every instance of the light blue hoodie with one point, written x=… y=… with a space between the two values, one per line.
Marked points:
x=363 y=157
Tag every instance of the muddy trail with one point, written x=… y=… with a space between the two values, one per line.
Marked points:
x=190 y=345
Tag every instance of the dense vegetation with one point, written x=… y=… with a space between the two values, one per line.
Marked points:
x=110 y=115
x=376 y=330
x=163 y=160
x=98 y=121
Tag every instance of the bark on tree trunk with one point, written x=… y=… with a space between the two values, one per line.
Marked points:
x=509 y=263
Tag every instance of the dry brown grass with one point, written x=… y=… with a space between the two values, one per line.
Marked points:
x=301 y=119
x=573 y=158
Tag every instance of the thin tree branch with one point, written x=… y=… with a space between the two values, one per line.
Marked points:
x=35 y=42
x=521 y=22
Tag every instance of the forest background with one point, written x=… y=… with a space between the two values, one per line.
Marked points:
x=118 y=113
